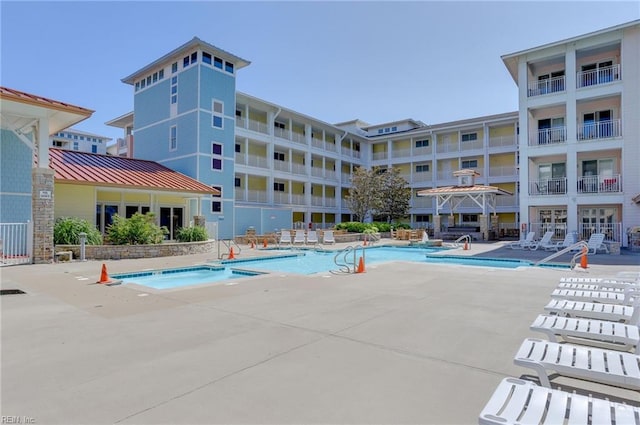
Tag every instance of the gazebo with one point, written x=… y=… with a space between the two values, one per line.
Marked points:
x=483 y=196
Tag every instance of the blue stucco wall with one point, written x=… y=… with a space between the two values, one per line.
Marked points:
x=15 y=179
x=152 y=104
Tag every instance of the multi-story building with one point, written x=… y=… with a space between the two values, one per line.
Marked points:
x=76 y=140
x=567 y=155
x=123 y=146
x=579 y=114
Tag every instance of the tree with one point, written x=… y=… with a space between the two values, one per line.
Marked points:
x=364 y=195
x=395 y=194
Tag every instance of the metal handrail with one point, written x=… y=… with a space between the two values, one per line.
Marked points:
x=462 y=238
x=345 y=265
x=228 y=243
x=580 y=244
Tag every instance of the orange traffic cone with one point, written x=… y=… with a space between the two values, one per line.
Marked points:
x=583 y=261
x=466 y=245
x=231 y=254
x=360 y=266
x=264 y=243
x=104 y=276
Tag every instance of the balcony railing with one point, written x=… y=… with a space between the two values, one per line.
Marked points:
x=317 y=201
x=467 y=146
x=602 y=75
x=423 y=176
x=349 y=152
x=317 y=143
x=555 y=186
x=445 y=175
x=297 y=199
x=548 y=136
x=380 y=155
x=298 y=137
x=317 y=172
x=550 y=85
x=503 y=171
x=257 y=161
x=507 y=201
x=280 y=197
x=330 y=202
x=330 y=175
x=599 y=184
x=401 y=153
x=600 y=130
x=281 y=165
x=345 y=178
x=253 y=125
x=251 y=195
x=331 y=147
x=298 y=169
x=612 y=231
x=422 y=202
x=499 y=141
x=447 y=147
x=423 y=150
x=239 y=158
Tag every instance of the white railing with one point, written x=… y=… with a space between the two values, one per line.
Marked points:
x=256 y=196
x=426 y=176
x=508 y=229
x=239 y=195
x=297 y=199
x=599 y=184
x=503 y=171
x=330 y=175
x=502 y=141
x=447 y=147
x=317 y=172
x=330 y=202
x=612 y=231
x=330 y=147
x=257 y=161
x=550 y=85
x=556 y=186
x=318 y=143
x=298 y=137
x=422 y=202
x=467 y=146
x=424 y=150
x=317 y=201
x=548 y=136
x=345 y=178
x=506 y=201
x=445 y=175
x=16 y=243
x=239 y=158
x=281 y=165
x=559 y=229
x=380 y=155
x=280 y=197
x=258 y=126
x=400 y=153
x=298 y=169
x=281 y=133
x=602 y=75
x=600 y=130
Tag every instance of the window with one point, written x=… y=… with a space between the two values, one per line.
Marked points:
x=278 y=187
x=469 y=218
x=194 y=57
x=94 y=149
x=237 y=182
x=471 y=163
x=279 y=125
x=423 y=168
x=238 y=113
x=422 y=143
x=380 y=131
x=174 y=89
x=278 y=156
x=155 y=77
x=143 y=83
x=216 y=159
x=206 y=58
x=238 y=148
x=137 y=85
x=217 y=62
x=174 y=67
x=75 y=146
x=469 y=137
x=173 y=138
x=228 y=66
x=185 y=61
x=149 y=80
x=387 y=130
x=394 y=128
x=216 y=204
x=161 y=74
x=217 y=114
x=422 y=219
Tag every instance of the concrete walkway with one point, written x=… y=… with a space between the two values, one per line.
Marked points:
x=401 y=343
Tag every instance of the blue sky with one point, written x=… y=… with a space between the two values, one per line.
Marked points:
x=335 y=61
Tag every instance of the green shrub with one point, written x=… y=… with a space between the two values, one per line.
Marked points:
x=401 y=226
x=370 y=229
x=192 y=234
x=66 y=231
x=137 y=230
x=352 y=226
x=382 y=227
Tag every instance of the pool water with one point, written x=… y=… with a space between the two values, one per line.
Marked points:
x=310 y=262
x=175 y=278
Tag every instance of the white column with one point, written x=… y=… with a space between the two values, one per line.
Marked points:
x=523 y=140
x=571 y=122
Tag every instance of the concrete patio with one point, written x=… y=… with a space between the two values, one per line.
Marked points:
x=401 y=343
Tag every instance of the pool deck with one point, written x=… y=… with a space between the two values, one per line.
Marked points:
x=401 y=343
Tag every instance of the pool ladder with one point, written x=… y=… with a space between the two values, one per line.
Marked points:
x=462 y=239
x=578 y=256
x=227 y=244
x=342 y=259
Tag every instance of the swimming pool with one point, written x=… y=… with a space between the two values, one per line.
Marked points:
x=508 y=263
x=185 y=276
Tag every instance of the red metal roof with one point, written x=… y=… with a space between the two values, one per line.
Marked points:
x=115 y=171
x=20 y=96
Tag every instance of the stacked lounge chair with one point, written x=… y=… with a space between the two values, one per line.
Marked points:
x=589 y=338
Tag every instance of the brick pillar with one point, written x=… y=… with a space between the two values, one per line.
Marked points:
x=42 y=211
x=484 y=226
x=199 y=220
x=436 y=226
x=495 y=225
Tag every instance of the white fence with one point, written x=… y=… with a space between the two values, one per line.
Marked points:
x=16 y=243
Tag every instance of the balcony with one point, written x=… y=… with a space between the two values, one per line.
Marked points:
x=471 y=145
x=447 y=147
x=345 y=178
x=251 y=195
x=257 y=161
x=298 y=169
x=555 y=186
x=422 y=177
x=507 y=201
x=599 y=184
x=297 y=199
x=424 y=150
x=317 y=201
x=600 y=130
x=253 y=125
x=503 y=171
x=280 y=198
x=239 y=158
x=317 y=172
x=548 y=136
x=598 y=76
x=379 y=155
x=281 y=165
x=502 y=141
x=349 y=152
x=298 y=138
x=546 y=86
x=401 y=153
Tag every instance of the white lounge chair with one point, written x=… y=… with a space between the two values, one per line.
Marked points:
x=592 y=364
x=425 y=236
x=602 y=285
x=523 y=243
x=566 y=243
x=285 y=238
x=600 y=311
x=299 y=237
x=625 y=296
x=596 y=243
x=545 y=241
x=312 y=237
x=328 y=237
x=600 y=333
x=522 y=402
